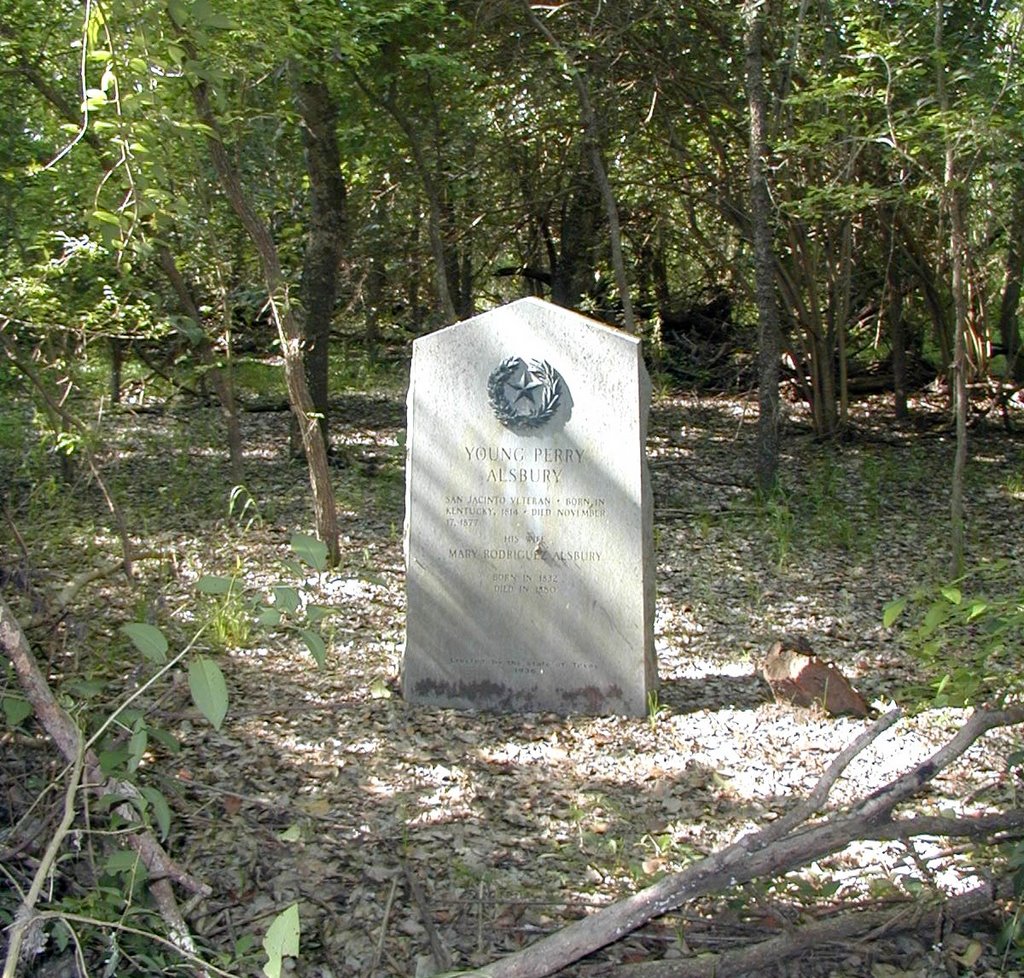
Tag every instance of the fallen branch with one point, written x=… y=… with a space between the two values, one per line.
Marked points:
x=66 y=735
x=780 y=847
x=442 y=958
x=26 y=912
x=940 y=916
x=98 y=573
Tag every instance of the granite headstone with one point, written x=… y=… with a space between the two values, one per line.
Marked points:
x=530 y=573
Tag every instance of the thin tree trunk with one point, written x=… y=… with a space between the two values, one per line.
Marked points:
x=769 y=339
x=326 y=239
x=592 y=142
x=842 y=318
x=435 y=207
x=897 y=333
x=288 y=329
x=953 y=194
x=220 y=376
x=116 y=363
x=1009 y=330
x=62 y=417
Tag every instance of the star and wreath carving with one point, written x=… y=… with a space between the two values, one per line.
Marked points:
x=524 y=394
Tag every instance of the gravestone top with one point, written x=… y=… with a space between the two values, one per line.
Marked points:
x=530 y=581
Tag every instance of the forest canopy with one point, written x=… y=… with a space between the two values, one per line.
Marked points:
x=412 y=162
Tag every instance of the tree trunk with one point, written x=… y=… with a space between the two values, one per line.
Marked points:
x=435 y=203
x=841 y=307
x=572 y=261
x=1009 y=330
x=592 y=142
x=219 y=376
x=116 y=363
x=769 y=340
x=953 y=194
x=897 y=335
x=288 y=329
x=325 y=241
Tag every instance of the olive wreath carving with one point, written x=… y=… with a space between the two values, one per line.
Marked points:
x=543 y=394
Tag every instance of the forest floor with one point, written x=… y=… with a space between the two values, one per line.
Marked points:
x=399 y=828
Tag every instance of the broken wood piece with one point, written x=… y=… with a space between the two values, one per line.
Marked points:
x=797 y=676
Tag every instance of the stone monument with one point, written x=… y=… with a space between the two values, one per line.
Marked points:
x=529 y=558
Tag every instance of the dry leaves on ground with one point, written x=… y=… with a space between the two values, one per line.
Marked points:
x=413 y=838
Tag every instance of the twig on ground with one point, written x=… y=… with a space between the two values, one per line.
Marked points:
x=385 y=918
x=442 y=958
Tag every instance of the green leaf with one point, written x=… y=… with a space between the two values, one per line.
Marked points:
x=282 y=940
x=317 y=612
x=269 y=617
x=286 y=599
x=892 y=611
x=209 y=691
x=178 y=12
x=125 y=862
x=220 y=22
x=166 y=740
x=86 y=689
x=16 y=710
x=148 y=639
x=212 y=584
x=316 y=646
x=112 y=760
x=161 y=810
x=934 y=616
x=137 y=745
x=310 y=551
x=952 y=594
x=977 y=608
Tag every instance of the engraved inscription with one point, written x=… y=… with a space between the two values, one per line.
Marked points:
x=519 y=469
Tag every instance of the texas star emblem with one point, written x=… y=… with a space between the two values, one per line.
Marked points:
x=524 y=394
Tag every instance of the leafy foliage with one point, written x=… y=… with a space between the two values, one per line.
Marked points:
x=967 y=641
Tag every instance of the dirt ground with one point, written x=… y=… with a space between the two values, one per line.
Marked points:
x=420 y=840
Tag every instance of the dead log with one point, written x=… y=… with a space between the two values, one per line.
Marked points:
x=797 y=676
x=68 y=738
x=936 y=917
x=786 y=844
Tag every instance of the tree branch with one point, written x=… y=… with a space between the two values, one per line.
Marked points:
x=765 y=956
x=66 y=735
x=771 y=851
